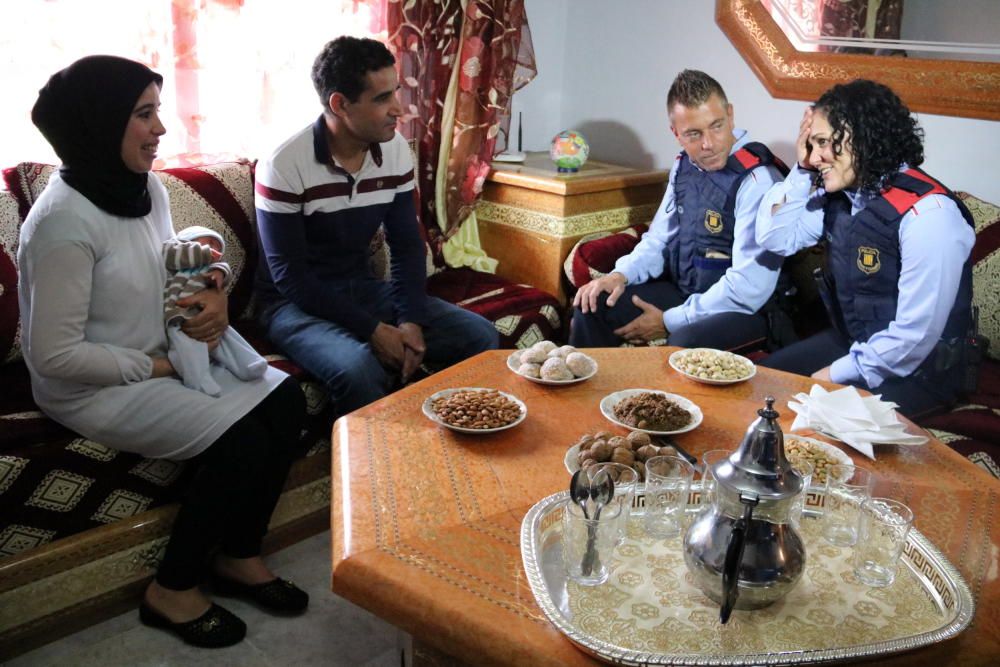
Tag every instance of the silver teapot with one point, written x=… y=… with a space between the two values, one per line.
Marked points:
x=743 y=552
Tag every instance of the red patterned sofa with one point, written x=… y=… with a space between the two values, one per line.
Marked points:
x=972 y=428
x=81 y=525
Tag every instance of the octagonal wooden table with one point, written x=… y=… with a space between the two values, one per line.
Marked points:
x=426 y=521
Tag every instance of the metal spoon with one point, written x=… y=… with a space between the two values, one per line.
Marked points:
x=579 y=491
x=602 y=490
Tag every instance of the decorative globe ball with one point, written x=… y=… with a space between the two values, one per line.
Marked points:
x=569 y=150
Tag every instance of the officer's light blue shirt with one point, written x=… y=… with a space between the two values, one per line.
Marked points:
x=748 y=283
x=934 y=242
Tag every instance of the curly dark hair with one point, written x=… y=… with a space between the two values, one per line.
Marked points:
x=692 y=88
x=342 y=65
x=881 y=132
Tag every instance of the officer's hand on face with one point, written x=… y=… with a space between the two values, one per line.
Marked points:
x=802 y=145
x=586 y=297
x=822 y=374
x=648 y=326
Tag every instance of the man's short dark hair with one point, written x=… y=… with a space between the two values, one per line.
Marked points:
x=343 y=63
x=692 y=88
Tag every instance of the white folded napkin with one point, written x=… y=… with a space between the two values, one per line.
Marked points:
x=845 y=415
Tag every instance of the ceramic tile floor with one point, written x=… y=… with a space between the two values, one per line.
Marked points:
x=332 y=633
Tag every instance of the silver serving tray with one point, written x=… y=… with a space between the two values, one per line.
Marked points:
x=946 y=596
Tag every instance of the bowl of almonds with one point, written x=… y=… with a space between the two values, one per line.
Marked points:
x=475 y=409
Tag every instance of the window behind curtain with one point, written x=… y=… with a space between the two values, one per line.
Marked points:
x=236 y=72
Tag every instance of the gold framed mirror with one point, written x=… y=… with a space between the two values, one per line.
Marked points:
x=953 y=88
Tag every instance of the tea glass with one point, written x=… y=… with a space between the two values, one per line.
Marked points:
x=882 y=533
x=668 y=481
x=847 y=488
x=626 y=479
x=709 y=459
x=805 y=470
x=578 y=532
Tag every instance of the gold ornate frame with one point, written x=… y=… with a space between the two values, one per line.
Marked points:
x=948 y=87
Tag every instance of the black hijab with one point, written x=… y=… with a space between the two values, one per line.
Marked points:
x=83 y=111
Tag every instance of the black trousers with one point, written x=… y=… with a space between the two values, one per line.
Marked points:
x=724 y=331
x=235 y=487
x=916 y=394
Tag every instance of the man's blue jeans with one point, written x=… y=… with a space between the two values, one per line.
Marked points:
x=348 y=366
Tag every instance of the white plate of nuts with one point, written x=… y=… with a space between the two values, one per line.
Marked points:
x=634 y=408
x=703 y=364
x=603 y=447
x=475 y=409
x=822 y=455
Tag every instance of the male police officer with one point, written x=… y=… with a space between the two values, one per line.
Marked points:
x=698 y=277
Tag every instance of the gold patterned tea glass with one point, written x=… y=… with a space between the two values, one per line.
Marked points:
x=625 y=479
x=579 y=533
x=847 y=488
x=668 y=481
x=708 y=460
x=882 y=533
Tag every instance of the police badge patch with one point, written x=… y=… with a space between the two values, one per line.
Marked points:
x=868 y=260
x=713 y=221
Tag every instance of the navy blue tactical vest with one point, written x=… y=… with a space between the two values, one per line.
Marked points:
x=705 y=205
x=864 y=263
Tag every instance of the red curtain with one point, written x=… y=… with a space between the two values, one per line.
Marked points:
x=490 y=44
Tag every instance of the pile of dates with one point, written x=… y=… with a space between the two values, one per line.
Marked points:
x=632 y=450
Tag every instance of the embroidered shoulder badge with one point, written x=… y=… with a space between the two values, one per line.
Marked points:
x=868 y=260
x=713 y=221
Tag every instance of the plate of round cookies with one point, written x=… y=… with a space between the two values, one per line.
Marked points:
x=551 y=364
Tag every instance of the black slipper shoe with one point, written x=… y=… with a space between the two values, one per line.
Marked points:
x=278 y=595
x=216 y=628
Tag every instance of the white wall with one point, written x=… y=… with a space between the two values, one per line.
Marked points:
x=604 y=69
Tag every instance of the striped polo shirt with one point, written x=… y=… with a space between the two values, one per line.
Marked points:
x=316 y=222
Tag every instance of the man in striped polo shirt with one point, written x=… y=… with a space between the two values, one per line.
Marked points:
x=320 y=199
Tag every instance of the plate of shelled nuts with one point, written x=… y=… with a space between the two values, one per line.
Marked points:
x=703 y=364
x=632 y=450
x=820 y=454
x=548 y=363
x=475 y=409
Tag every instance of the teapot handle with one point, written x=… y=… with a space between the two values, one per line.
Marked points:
x=734 y=556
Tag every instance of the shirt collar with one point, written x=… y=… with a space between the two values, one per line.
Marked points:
x=321 y=148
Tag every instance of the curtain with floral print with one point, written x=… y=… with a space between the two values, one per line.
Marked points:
x=460 y=61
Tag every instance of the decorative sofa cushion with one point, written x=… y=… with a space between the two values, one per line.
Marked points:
x=986 y=268
x=10 y=330
x=523 y=315
x=595 y=254
x=218 y=196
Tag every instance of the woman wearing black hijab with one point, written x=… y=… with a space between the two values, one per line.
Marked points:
x=90 y=291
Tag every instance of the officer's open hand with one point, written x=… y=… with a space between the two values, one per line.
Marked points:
x=802 y=145
x=586 y=297
x=648 y=326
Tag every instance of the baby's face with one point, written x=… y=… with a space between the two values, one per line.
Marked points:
x=211 y=242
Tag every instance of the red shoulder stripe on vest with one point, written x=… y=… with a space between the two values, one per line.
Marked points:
x=746 y=158
x=903 y=200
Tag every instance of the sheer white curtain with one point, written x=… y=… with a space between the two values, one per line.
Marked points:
x=236 y=72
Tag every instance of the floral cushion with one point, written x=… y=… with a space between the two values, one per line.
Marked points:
x=218 y=196
x=595 y=254
x=986 y=268
x=10 y=225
